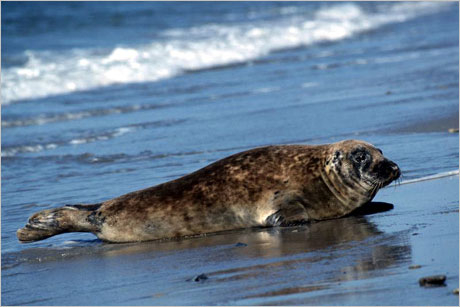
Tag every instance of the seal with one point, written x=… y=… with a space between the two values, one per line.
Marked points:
x=267 y=186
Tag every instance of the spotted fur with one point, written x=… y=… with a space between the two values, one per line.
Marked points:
x=267 y=186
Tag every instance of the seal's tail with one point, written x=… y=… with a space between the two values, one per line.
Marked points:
x=48 y=223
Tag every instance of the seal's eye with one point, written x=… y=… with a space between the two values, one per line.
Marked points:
x=360 y=156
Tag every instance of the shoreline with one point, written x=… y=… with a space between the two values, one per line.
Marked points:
x=318 y=263
x=443 y=124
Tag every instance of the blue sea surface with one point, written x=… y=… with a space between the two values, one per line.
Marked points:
x=104 y=98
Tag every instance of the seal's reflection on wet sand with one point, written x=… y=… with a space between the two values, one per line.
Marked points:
x=271 y=262
x=259 y=242
x=319 y=253
x=310 y=236
x=271 y=242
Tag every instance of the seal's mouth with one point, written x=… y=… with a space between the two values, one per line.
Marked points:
x=385 y=172
x=388 y=172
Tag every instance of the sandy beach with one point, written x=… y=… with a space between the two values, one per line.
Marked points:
x=357 y=260
x=104 y=98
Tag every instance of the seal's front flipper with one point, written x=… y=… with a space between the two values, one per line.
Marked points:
x=291 y=212
x=48 y=223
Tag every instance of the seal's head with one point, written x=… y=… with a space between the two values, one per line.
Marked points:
x=356 y=170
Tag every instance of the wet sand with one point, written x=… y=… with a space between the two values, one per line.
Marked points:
x=357 y=260
x=443 y=124
x=395 y=86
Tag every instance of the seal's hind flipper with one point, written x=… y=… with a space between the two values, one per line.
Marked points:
x=50 y=222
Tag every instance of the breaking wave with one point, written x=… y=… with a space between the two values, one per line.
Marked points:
x=45 y=73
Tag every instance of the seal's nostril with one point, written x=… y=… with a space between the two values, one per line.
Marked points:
x=397 y=171
x=394 y=167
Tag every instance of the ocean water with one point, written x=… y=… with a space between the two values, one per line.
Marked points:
x=104 y=98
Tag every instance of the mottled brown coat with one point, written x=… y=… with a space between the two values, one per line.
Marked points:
x=267 y=186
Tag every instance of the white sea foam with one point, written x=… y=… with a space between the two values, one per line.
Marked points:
x=265 y=90
x=431 y=177
x=10 y=152
x=102 y=137
x=14 y=150
x=51 y=118
x=49 y=73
